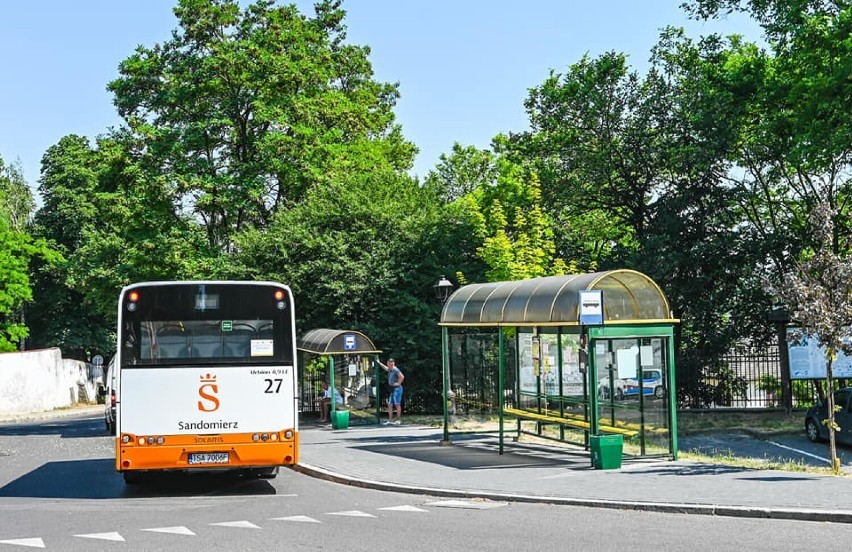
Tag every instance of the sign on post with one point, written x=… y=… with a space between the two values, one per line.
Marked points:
x=591 y=307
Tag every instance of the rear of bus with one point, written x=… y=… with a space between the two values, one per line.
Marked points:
x=206 y=378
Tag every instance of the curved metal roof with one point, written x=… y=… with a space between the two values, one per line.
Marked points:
x=628 y=297
x=323 y=341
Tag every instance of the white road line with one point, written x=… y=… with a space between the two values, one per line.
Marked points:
x=404 y=509
x=180 y=530
x=471 y=505
x=814 y=456
x=113 y=536
x=300 y=519
x=240 y=524
x=351 y=513
x=32 y=543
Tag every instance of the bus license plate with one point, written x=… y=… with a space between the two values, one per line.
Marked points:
x=209 y=458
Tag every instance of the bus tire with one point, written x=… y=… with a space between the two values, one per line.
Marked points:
x=263 y=473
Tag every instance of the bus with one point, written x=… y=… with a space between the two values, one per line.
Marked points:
x=205 y=373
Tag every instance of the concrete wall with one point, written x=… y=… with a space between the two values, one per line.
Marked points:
x=38 y=381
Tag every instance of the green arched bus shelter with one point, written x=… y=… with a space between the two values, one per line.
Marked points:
x=566 y=357
x=356 y=377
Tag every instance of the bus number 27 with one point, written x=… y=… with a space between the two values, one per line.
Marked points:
x=273 y=385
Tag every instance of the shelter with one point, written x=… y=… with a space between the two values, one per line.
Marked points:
x=568 y=357
x=352 y=377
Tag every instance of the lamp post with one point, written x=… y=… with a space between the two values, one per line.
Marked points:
x=443 y=289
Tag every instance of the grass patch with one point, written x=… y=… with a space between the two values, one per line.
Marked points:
x=768 y=422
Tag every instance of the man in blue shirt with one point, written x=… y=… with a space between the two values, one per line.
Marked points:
x=395 y=379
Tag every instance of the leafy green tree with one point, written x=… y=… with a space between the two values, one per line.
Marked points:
x=364 y=253
x=245 y=110
x=592 y=141
x=16 y=199
x=17 y=249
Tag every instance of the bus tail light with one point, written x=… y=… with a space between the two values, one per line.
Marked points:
x=288 y=434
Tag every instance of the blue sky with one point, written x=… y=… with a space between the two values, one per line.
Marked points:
x=464 y=66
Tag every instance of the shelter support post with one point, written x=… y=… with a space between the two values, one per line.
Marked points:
x=445 y=368
x=501 y=394
x=331 y=386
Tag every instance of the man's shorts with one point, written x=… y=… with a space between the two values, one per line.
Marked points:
x=395 y=396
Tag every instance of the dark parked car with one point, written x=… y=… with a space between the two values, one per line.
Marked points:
x=817 y=414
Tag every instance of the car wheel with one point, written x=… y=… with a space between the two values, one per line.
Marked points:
x=659 y=392
x=812 y=430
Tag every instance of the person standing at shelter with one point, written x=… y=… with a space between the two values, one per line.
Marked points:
x=395 y=379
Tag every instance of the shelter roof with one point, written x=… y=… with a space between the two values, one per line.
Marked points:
x=325 y=341
x=629 y=297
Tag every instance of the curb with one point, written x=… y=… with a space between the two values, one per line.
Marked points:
x=68 y=412
x=831 y=516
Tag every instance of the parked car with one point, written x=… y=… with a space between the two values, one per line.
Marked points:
x=604 y=390
x=107 y=391
x=652 y=384
x=815 y=418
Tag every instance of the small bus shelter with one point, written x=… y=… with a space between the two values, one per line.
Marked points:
x=354 y=375
x=571 y=358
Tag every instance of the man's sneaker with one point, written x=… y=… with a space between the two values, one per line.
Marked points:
x=396 y=422
x=386 y=423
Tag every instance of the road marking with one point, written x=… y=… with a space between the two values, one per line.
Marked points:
x=300 y=519
x=471 y=505
x=814 y=456
x=180 y=530
x=241 y=524
x=404 y=509
x=352 y=513
x=32 y=543
x=103 y=536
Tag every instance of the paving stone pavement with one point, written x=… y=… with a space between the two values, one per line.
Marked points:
x=411 y=458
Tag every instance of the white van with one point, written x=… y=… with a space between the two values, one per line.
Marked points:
x=108 y=392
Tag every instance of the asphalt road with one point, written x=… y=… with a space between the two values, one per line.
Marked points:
x=59 y=490
x=787 y=447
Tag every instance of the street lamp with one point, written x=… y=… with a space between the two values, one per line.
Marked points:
x=443 y=289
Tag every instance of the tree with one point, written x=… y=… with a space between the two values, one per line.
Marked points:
x=17 y=249
x=818 y=294
x=364 y=253
x=242 y=112
x=16 y=199
x=593 y=143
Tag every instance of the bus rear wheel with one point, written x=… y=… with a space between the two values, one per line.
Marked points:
x=262 y=473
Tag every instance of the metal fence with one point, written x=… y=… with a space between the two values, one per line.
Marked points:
x=748 y=376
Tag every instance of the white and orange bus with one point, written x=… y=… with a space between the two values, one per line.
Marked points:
x=206 y=378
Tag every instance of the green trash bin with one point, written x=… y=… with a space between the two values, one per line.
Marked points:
x=606 y=451
x=340 y=419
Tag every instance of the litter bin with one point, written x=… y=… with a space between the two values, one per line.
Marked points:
x=606 y=451
x=340 y=419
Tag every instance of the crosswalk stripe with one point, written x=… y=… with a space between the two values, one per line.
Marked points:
x=404 y=509
x=180 y=530
x=103 y=536
x=241 y=524
x=32 y=543
x=302 y=519
x=351 y=513
x=469 y=504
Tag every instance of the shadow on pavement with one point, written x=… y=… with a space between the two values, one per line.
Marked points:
x=97 y=479
x=71 y=428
